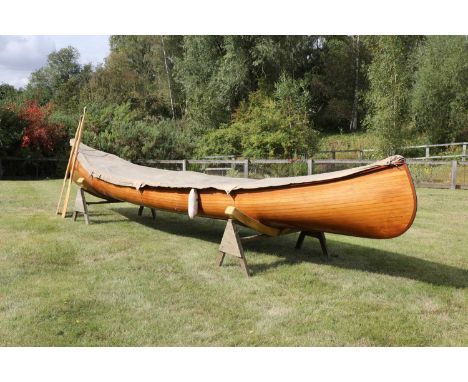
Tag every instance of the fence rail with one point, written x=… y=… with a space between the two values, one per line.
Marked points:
x=427 y=148
x=454 y=176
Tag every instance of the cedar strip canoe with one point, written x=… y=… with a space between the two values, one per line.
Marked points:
x=374 y=201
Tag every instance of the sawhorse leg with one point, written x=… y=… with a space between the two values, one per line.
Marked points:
x=153 y=212
x=318 y=235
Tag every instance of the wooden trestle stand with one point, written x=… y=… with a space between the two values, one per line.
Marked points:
x=81 y=204
x=231 y=243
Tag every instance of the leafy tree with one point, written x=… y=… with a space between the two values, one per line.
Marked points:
x=11 y=130
x=216 y=73
x=332 y=84
x=272 y=56
x=390 y=78
x=115 y=83
x=213 y=74
x=440 y=94
x=8 y=94
x=60 y=80
x=139 y=70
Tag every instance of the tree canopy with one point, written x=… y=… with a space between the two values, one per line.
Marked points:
x=253 y=96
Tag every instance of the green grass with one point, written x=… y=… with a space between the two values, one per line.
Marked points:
x=126 y=280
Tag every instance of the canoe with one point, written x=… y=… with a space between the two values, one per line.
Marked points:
x=373 y=201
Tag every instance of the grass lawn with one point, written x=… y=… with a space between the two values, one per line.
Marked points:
x=128 y=280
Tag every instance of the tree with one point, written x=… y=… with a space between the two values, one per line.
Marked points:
x=11 y=130
x=391 y=77
x=60 y=80
x=354 y=118
x=440 y=94
x=139 y=69
x=217 y=73
x=8 y=93
x=213 y=74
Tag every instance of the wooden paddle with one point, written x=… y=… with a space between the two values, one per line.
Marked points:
x=72 y=164
x=67 y=171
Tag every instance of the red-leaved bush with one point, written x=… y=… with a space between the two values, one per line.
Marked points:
x=40 y=134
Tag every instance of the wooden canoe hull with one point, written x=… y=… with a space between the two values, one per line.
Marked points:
x=378 y=204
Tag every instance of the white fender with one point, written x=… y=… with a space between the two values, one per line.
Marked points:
x=193 y=203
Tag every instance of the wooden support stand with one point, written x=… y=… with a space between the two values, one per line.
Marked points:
x=153 y=212
x=231 y=243
x=81 y=205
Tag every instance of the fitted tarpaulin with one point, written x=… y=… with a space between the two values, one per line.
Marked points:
x=112 y=169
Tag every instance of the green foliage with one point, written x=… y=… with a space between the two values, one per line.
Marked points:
x=440 y=94
x=271 y=56
x=267 y=126
x=390 y=77
x=216 y=73
x=214 y=76
x=162 y=96
x=333 y=83
x=60 y=80
x=67 y=119
x=118 y=129
x=11 y=129
x=8 y=94
x=139 y=70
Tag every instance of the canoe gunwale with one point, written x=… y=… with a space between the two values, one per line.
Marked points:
x=262 y=189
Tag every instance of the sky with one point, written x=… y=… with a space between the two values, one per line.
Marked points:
x=22 y=55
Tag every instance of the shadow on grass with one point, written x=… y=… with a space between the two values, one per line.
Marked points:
x=350 y=256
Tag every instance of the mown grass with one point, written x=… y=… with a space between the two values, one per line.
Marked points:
x=126 y=280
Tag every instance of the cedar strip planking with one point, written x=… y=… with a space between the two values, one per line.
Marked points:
x=377 y=204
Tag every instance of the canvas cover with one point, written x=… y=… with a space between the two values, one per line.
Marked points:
x=112 y=169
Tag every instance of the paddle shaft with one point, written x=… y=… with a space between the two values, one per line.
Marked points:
x=68 y=165
x=73 y=161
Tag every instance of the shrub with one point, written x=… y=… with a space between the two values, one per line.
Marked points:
x=41 y=135
x=119 y=130
x=266 y=127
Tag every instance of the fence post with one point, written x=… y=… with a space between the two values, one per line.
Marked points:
x=184 y=164
x=246 y=168
x=360 y=154
x=310 y=167
x=333 y=154
x=453 y=177
x=464 y=152
x=427 y=152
